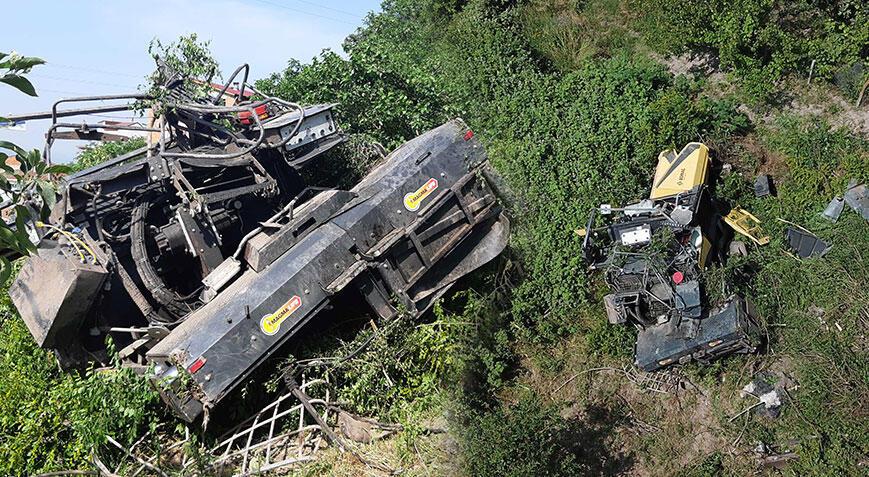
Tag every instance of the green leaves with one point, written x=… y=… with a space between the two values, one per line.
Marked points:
x=52 y=420
x=15 y=67
x=5 y=270
x=17 y=63
x=93 y=154
x=30 y=187
x=12 y=147
x=19 y=82
x=763 y=41
x=186 y=58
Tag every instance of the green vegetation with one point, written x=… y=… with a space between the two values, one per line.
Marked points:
x=49 y=419
x=572 y=111
x=524 y=439
x=94 y=154
x=53 y=420
x=572 y=118
x=764 y=40
x=28 y=188
x=185 y=58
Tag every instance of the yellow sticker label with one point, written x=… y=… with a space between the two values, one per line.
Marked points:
x=414 y=199
x=271 y=324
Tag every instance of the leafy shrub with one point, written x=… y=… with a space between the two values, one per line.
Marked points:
x=762 y=40
x=815 y=304
x=52 y=420
x=383 y=90
x=400 y=367
x=186 y=58
x=93 y=154
x=527 y=438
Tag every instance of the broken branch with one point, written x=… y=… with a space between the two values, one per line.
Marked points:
x=138 y=459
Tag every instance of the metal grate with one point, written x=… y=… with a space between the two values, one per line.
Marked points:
x=277 y=436
x=665 y=381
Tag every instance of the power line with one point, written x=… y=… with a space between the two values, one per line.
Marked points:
x=97 y=83
x=326 y=7
x=306 y=12
x=90 y=69
x=74 y=93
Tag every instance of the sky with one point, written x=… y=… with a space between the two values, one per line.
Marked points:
x=101 y=47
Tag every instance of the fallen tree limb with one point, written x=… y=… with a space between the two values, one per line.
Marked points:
x=306 y=403
x=384 y=426
x=104 y=471
x=137 y=459
x=570 y=380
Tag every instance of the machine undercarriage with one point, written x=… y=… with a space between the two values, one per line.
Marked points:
x=202 y=254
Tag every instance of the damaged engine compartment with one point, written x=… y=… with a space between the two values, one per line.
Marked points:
x=653 y=254
x=201 y=254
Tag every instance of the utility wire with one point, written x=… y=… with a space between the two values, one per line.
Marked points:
x=326 y=7
x=90 y=69
x=97 y=83
x=304 y=12
x=61 y=91
x=73 y=93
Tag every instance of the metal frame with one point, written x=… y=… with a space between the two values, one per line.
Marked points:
x=240 y=442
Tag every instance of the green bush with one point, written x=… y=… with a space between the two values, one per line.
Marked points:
x=564 y=141
x=811 y=299
x=93 y=154
x=383 y=90
x=525 y=439
x=762 y=40
x=53 y=420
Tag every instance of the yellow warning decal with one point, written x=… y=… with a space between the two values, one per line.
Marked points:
x=271 y=324
x=414 y=199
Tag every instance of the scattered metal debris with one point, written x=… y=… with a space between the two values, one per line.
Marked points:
x=834 y=209
x=746 y=224
x=276 y=437
x=665 y=381
x=806 y=244
x=763 y=186
x=769 y=457
x=654 y=252
x=857 y=197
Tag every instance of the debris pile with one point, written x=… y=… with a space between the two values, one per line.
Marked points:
x=654 y=252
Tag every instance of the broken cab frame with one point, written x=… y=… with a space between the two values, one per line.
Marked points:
x=204 y=254
x=653 y=254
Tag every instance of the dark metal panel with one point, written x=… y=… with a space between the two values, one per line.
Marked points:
x=396 y=216
x=228 y=331
x=267 y=246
